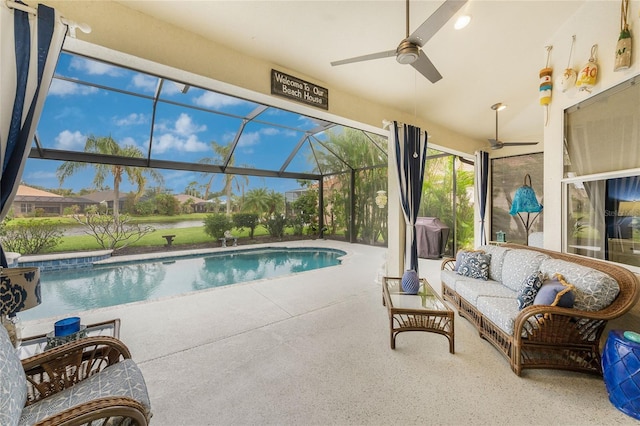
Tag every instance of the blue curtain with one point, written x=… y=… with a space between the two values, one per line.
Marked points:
x=24 y=88
x=482 y=189
x=411 y=154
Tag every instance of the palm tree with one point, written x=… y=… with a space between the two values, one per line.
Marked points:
x=263 y=202
x=256 y=201
x=108 y=146
x=221 y=152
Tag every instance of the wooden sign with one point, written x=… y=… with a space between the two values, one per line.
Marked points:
x=299 y=90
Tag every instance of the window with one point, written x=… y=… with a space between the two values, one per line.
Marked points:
x=507 y=175
x=602 y=176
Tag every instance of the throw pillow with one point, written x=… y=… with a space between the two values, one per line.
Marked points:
x=475 y=265
x=461 y=256
x=529 y=290
x=556 y=292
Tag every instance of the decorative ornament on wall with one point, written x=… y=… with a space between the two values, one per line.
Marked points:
x=568 y=78
x=588 y=75
x=623 y=47
x=546 y=85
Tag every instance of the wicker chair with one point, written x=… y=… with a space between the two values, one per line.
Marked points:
x=92 y=381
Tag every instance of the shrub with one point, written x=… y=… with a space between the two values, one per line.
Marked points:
x=246 y=220
x=215 y=225
x=112 y=233
x=30 y=237
x=167 y=205
x=275 y=225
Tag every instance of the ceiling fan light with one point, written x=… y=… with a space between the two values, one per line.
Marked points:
x=462 y=21
x=407 y=52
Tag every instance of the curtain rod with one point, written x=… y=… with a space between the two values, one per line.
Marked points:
x=85 y=28
x=386 y=124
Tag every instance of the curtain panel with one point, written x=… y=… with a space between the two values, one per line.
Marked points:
x=482 y=189
x=410 y=145
x=30 y=43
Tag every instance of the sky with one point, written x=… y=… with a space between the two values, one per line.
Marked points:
x=73 y=111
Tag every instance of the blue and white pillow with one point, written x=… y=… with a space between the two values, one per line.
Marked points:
x=475 y=265
x=529 y=289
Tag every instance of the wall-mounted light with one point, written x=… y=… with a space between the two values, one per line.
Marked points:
x=462 y=22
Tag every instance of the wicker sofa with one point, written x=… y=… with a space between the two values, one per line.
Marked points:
x=87 y=382
x=541 y=336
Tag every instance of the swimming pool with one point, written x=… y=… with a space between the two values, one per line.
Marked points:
x=65 y=292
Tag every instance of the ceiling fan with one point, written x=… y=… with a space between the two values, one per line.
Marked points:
x=408 y=51
x=497 y=143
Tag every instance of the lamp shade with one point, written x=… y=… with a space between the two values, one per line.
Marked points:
x=19 y=289
x=525 y=200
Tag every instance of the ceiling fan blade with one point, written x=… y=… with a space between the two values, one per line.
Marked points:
x=379 y=55
x=425 y=67
x=518 y=143
x=437 y=20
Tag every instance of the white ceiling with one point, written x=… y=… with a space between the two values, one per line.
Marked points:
x=495 y=59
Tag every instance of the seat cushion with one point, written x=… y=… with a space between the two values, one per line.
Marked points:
x=470 y=290
x=594 y=290
x=502 y=311
x=13 y=382
x=121 y=379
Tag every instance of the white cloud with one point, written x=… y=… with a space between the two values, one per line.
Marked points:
x=145 y=82
x=216 y=100
x=68 y=140
x=131 y=119
x=93 y=67
x=65 y=88
x=41 y=176
x=185 y=126
x=249 y=139
x=170 y=142
x=269 y=131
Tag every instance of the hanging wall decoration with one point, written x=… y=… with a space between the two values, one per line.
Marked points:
x=546 y=85
x=568 y=78
x=623 y=47
x=588 y=74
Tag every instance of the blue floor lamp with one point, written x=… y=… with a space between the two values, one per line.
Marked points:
x=525 y=201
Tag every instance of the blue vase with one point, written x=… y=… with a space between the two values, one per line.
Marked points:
x=410 y=282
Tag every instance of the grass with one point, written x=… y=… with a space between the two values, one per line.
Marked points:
x=193 y=235
x=70 y=221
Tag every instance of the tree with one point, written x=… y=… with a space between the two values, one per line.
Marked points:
x=352 y=148
x=263 y=202
x=222 y=151
x=108 y=146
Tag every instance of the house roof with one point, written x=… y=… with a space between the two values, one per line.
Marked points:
x=184 y=197
x=24 y=190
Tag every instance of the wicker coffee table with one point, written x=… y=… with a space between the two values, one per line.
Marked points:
x=425 y=311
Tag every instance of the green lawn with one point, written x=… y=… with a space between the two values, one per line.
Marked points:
x=194 y=235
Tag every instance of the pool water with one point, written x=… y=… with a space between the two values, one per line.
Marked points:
x=65 y=292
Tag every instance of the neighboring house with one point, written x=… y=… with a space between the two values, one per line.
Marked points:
x=102 y=197
x=28 y=200
x=198 y=204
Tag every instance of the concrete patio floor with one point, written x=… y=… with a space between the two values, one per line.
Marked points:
x=313 y=349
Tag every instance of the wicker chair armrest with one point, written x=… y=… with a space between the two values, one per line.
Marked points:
x=553 y=323
x=61 y=367
x=448 y=264
x=101 y=410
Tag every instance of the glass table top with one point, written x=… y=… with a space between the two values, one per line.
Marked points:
x=426 y=299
